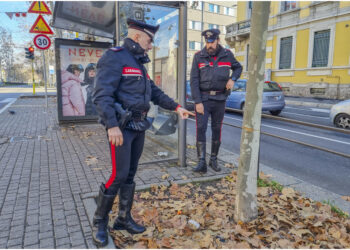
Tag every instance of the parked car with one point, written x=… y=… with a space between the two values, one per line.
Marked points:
x=273 y=97
x=340 y=114
x=189 y=100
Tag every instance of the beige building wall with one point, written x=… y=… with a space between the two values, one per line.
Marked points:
x=224 y=15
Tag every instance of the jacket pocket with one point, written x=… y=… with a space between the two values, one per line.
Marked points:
x=222 y=73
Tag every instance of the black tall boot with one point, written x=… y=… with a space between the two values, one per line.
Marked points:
x=100 y=220
x=124 y=220
x=213 y=163
x=201 y=151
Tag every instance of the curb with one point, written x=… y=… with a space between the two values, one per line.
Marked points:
x=26 y=96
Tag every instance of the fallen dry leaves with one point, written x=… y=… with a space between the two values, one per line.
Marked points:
x=285 y=219
x=346 y=198
x=91 y=160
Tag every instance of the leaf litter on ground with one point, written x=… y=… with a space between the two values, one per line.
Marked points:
x=201 y=216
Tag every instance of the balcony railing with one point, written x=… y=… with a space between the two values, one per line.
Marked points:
x=238 y=31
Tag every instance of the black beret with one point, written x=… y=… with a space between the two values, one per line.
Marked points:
x=211 y=35
x=147 y=28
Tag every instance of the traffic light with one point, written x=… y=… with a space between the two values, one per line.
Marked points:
x=29 y=53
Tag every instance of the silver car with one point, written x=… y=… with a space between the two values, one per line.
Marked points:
x=340 y=114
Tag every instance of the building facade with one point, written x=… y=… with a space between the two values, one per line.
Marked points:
x=308 y=46
x=203 y=15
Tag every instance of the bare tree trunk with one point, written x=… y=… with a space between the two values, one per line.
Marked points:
x=246 y=201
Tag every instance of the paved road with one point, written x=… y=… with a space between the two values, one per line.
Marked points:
x=6 y=99
x=9 y=94
x=317 y=167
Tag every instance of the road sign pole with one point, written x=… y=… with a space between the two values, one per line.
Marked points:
x=33 y=77
x=45 y=79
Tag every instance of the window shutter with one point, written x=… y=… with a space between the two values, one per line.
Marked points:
x=321 y=48
x=286 y=52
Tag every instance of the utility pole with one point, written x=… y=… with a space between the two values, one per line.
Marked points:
x=45 y=78
x=246 y=200
x=33 y=77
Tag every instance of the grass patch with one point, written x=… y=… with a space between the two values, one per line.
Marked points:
x=336 y=209
x=273 y=184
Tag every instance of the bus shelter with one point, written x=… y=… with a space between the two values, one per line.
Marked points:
x=167 y=136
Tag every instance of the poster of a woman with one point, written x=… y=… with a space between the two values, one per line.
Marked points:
x=76 y=61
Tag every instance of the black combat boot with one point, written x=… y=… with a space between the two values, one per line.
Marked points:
x=201 y=151
x=100 y=220
x=213 y=163
x=124 y=220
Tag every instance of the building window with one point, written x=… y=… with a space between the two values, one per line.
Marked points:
x=228 y=11
x=286 y=52
x=321 y=48
x=198 y=5
x=194 y=45
x=213 y=26
x=214 y=8
x=288 y=5
x=195 y=25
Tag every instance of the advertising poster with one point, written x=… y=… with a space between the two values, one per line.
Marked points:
x=76 y=70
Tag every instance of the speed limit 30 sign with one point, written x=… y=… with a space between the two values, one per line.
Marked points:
x=42 y=41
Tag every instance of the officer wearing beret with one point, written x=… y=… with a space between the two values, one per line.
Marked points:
x=122 y=78
x=211 y=83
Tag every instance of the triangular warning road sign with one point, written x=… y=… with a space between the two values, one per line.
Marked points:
x=40 y=26
x=39 y=7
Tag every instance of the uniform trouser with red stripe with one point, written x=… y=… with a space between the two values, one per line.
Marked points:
x=216 y=110
x=125 y=159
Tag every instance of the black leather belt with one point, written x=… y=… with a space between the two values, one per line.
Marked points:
x=213 y=92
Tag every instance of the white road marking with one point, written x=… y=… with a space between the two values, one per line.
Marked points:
x=327 y=118
x=8 y=105
x=296 y=132
x=321 y=110
x=311 y=109
x=7 y=100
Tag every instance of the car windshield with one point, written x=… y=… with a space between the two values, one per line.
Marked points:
x=271 y=87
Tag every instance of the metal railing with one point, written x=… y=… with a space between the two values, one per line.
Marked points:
x=238 y=28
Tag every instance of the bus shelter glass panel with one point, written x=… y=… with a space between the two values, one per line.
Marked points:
x=162 y=139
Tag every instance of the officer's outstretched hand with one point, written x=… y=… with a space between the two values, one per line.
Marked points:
x=184 y=113
x=115 y=136
x=200 y=108
x=229 y=84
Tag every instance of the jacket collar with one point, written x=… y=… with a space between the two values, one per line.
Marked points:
x=136 y=50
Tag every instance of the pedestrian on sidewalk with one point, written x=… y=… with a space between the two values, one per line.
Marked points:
x=122 y=78
x=211 y=84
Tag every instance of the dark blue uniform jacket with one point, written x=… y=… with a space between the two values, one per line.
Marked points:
x=208 y=74
x=121 y=77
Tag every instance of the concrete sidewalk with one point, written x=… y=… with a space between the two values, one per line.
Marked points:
x=49 y=176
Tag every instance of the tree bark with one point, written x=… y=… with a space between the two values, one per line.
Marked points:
x=246 y=200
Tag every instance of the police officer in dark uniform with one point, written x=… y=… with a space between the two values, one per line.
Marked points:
x=211 y=83
x=122 y=78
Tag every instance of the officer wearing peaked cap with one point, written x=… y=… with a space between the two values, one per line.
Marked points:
x=211 y=83
x=122 y=78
